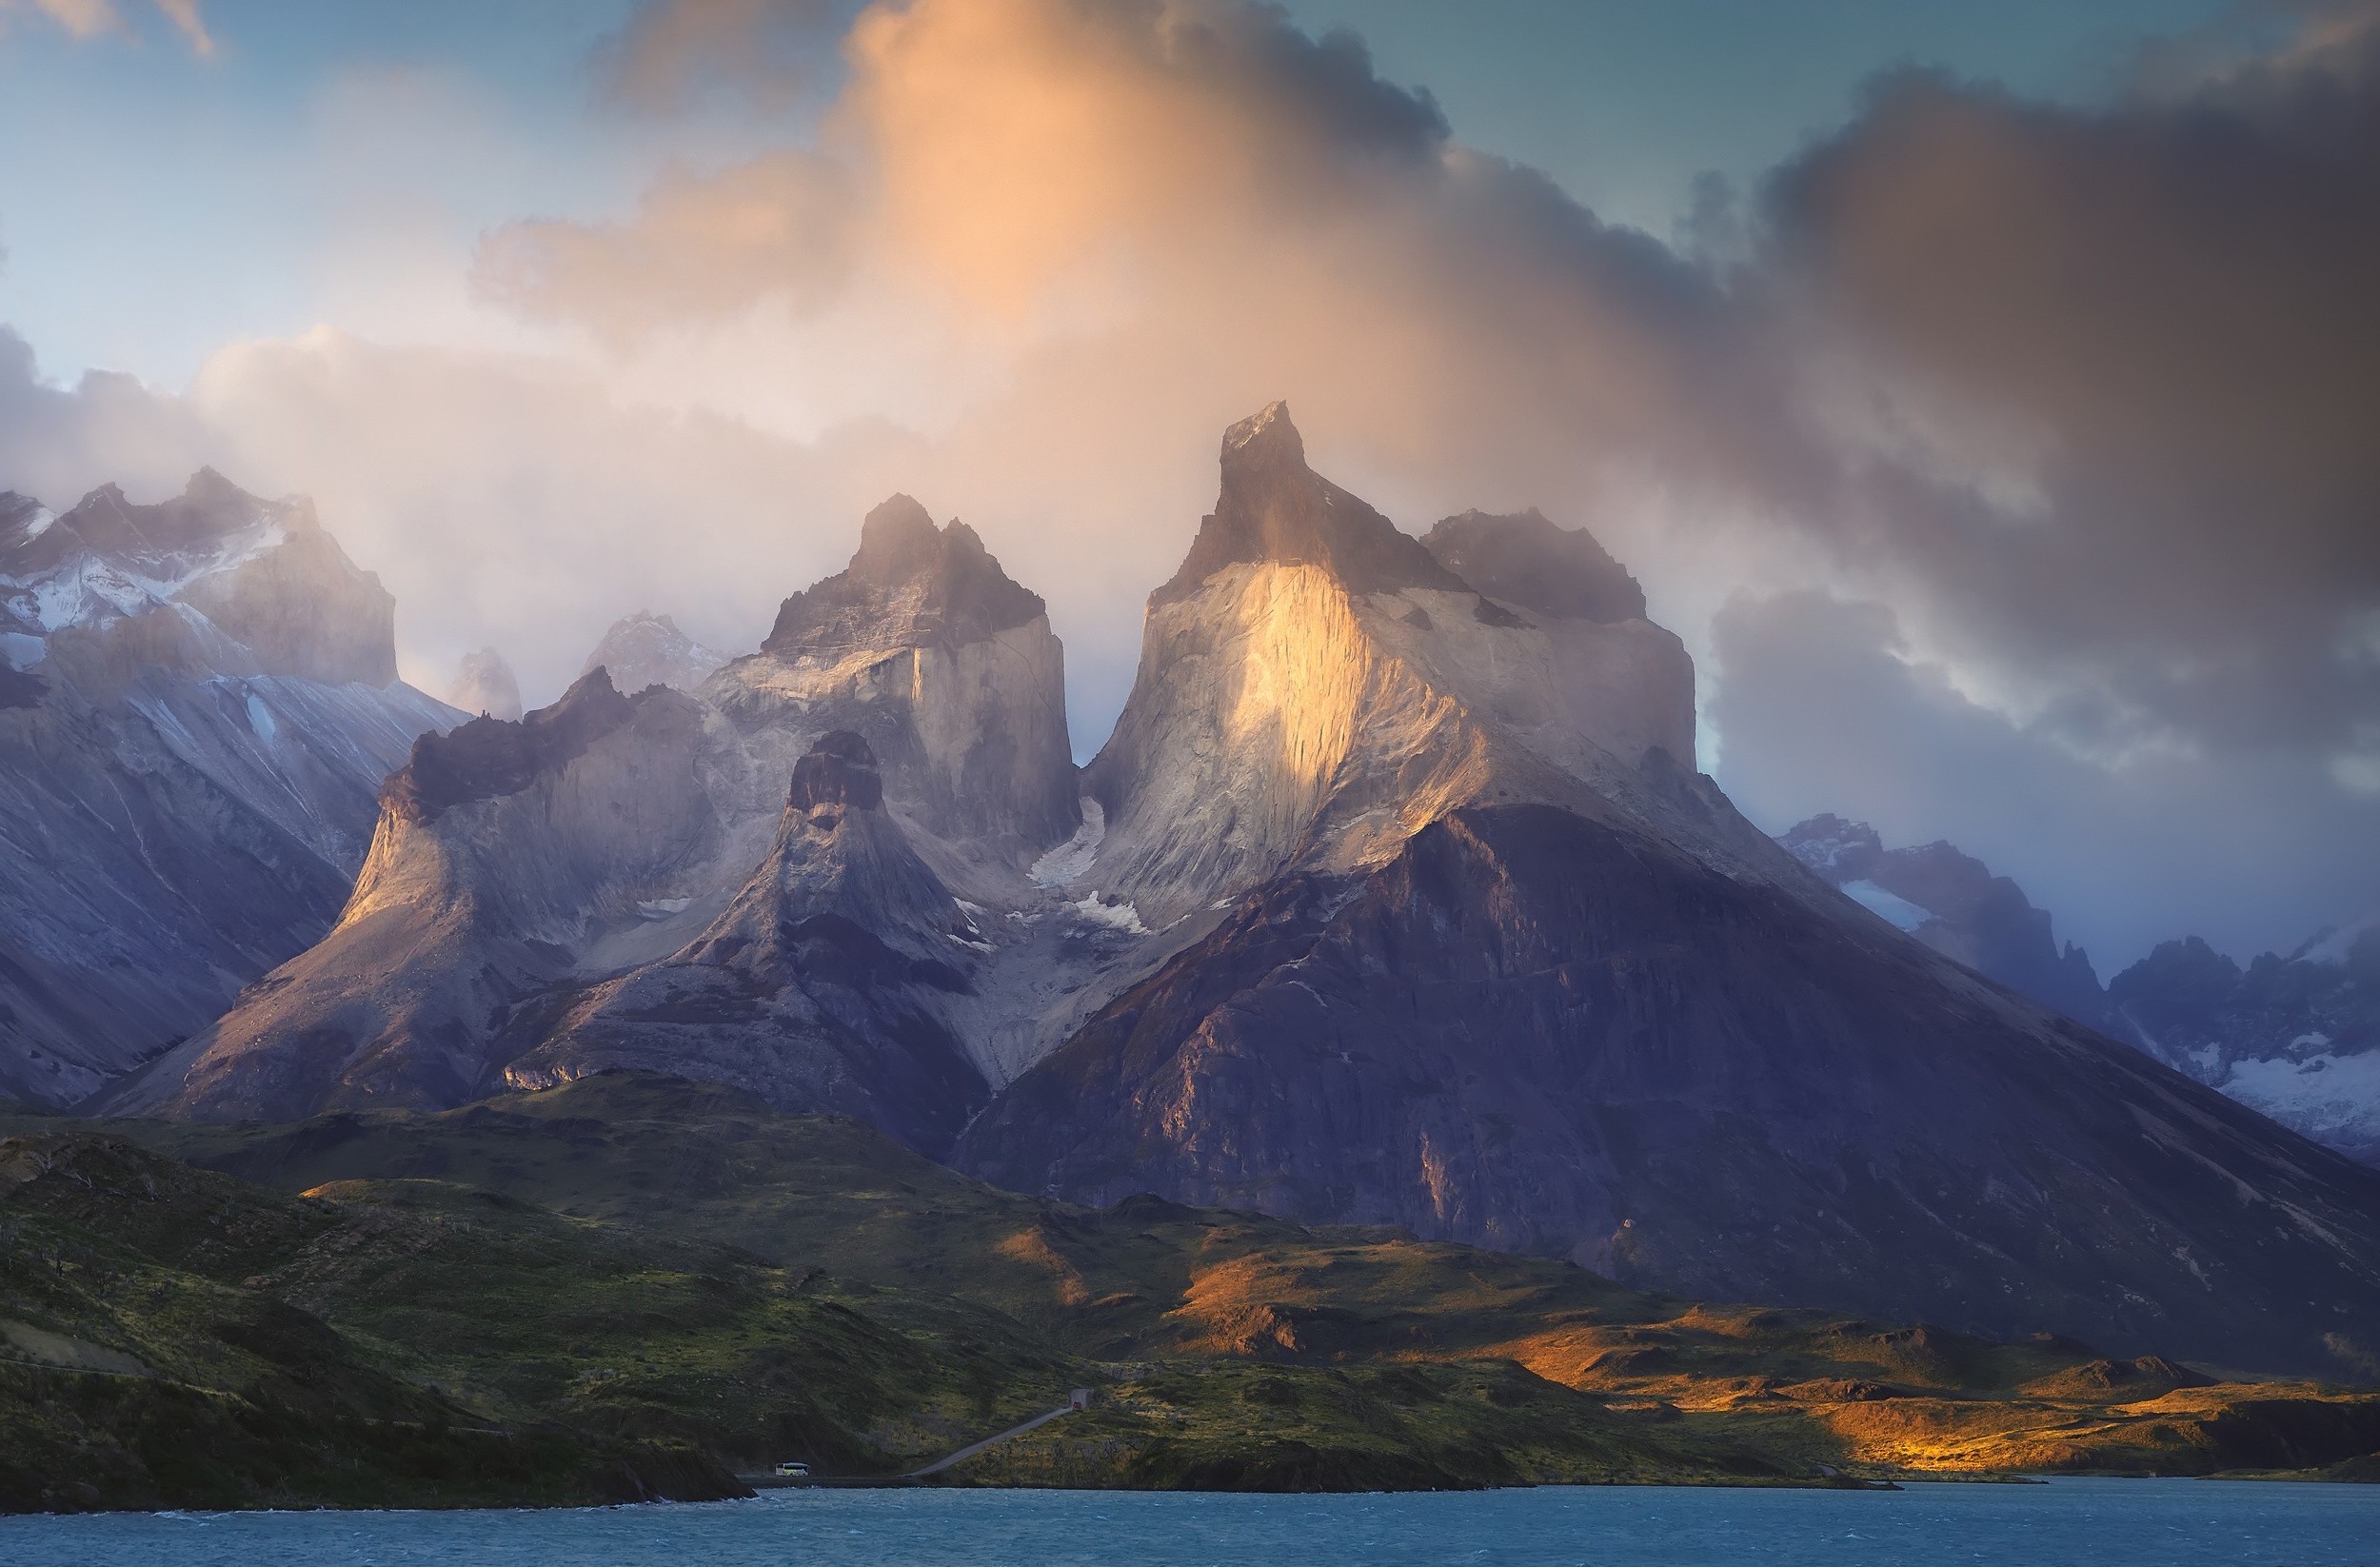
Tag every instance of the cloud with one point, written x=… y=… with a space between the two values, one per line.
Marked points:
x=501 y=499
x=57 y=443
x=99 y=18
x=1824 y=709
x=2165 y=309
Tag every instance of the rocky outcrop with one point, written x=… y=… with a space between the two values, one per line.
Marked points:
x=825 y=986
x=484 y=684
x=1539 y=1032
x=648 y=649
x=500 y=848
x=1953 y=904
x=925 y=648
x=2295 y=1036
x=198 y=704
x=1536 y=567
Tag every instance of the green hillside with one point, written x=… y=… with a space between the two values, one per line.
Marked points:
x=635 y=1287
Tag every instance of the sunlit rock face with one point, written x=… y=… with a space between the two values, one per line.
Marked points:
x=1316 y=685
x=198 y=701
x=501 y=846
x=648 y=649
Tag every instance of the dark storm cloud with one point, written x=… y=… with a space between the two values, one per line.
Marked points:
x=2179 y=296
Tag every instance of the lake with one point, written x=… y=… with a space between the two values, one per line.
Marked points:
x=2081 y=1522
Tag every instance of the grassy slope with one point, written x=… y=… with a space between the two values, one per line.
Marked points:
x=198 y=1340
x=1239 y=1350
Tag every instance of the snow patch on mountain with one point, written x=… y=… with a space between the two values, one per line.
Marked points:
x=1886 y=906
x=2332 y=1099
x=1070 y=858
x=1118 y=915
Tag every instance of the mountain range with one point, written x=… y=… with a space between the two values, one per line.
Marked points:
x=2297 y=1036
x=1395 y=898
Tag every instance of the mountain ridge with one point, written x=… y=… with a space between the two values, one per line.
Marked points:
x=198 y=701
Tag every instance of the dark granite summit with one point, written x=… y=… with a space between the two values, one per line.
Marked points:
x=943 y=579
x=1527 y=562
x=490 y=757
x=1274 y=507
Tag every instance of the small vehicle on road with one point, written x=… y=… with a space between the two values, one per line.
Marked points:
x=794 y=1469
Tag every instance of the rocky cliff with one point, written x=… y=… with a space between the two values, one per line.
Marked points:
x=1315 y=686
x=825 y=986
x=502 y=848
x=1953 y=904
x=925 y=649
x=198 y=702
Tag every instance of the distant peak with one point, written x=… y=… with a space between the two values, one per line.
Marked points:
x=1526 y=560
x=484 y=684
x=209 y=488
x=1835 y=849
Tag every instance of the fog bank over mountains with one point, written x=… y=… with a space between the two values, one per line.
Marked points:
x=2100 y=574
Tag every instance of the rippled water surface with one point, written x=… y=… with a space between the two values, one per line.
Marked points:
x=2084 y=1523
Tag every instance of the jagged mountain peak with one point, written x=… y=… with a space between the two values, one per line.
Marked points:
x=1274 y=507
x=1269 y=430
x=910 y=584
x=1531 y=563
x=262 y=572
x=1836 y=847
x=897 y=539
x=490 y=757
x=648 y=649
x=209 y=509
